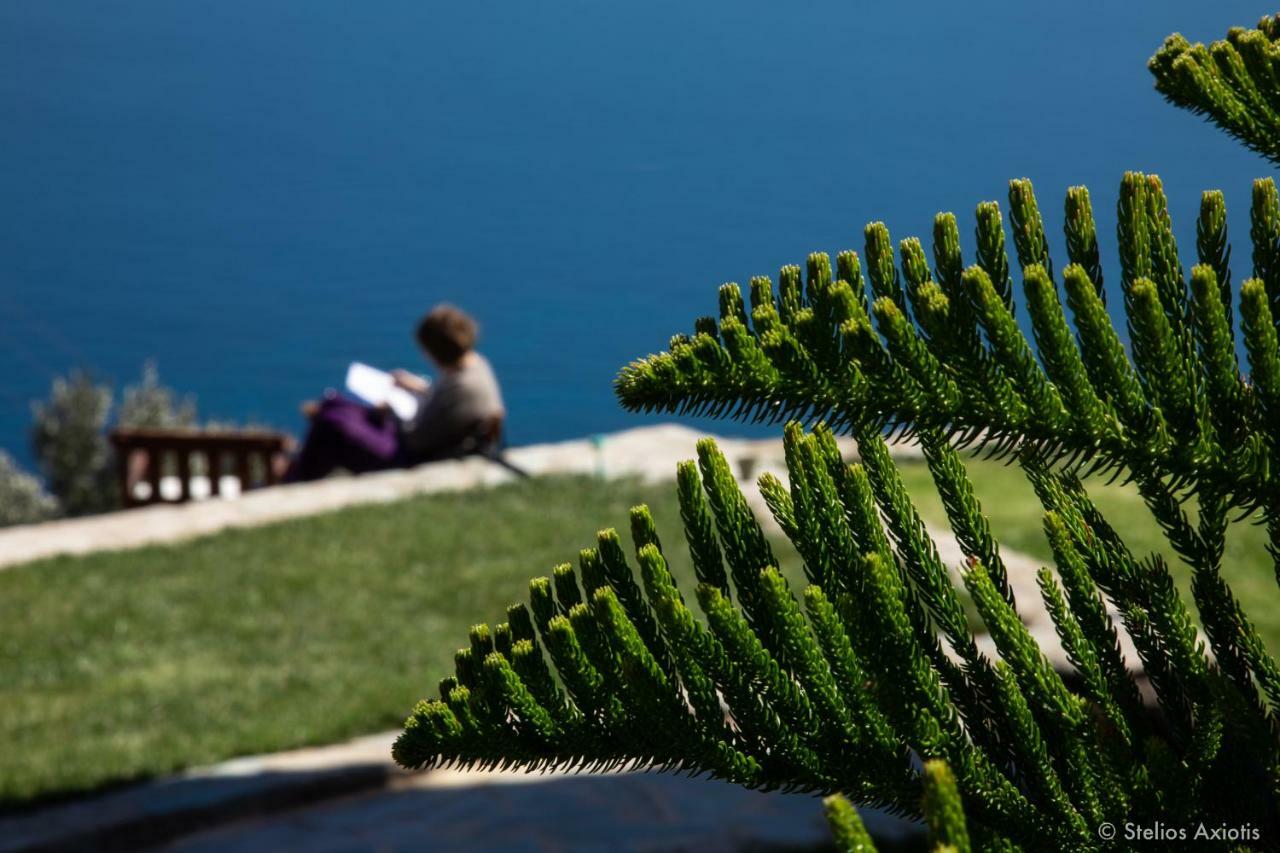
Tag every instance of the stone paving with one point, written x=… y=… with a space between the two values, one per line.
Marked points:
x=511 y=813
x=351 y=796
x=139 y=815
x=650 y=453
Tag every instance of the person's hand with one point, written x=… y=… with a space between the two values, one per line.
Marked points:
x=409 y=381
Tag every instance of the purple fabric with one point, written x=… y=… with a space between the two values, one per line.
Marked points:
x=350 y=435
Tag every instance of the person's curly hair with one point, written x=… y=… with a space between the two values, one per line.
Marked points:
x=447 y=333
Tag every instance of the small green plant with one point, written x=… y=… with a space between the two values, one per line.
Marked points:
x=68 y=440
x=22 y=499
x=869 y=684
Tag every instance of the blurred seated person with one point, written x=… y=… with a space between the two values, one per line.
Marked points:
x=460 y=413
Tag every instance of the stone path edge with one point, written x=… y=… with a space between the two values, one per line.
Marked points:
x=649 y=452
x=153 y=813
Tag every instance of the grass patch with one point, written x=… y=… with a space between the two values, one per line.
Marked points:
x=121 y=666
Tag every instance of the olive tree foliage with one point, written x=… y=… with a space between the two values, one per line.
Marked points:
x=69 y=433
x=150 y=403
x=69 y=442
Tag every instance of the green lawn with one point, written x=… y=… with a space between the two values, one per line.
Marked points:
x=126 y=665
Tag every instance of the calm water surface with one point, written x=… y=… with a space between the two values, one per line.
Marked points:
x=256 y=193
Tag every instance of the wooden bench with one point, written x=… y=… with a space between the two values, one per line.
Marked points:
x=153 y=456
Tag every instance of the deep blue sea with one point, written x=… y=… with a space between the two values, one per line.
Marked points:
x=255 y=193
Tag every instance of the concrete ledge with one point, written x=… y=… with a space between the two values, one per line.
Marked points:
x=160 y=523
x=650 y=453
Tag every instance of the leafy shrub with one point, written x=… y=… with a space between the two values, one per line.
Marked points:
x=69 y=434
x=152 y=404
x=67 y=437
x=22 y=499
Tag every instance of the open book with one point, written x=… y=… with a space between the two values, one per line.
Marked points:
x=377 y=387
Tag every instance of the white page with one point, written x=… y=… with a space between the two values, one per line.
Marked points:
x=377 y=387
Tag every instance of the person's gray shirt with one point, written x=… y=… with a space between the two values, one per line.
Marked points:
x=452 y=411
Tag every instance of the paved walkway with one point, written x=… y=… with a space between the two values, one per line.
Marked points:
x=351 y=796
x=650 y=453
x=513 y=814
